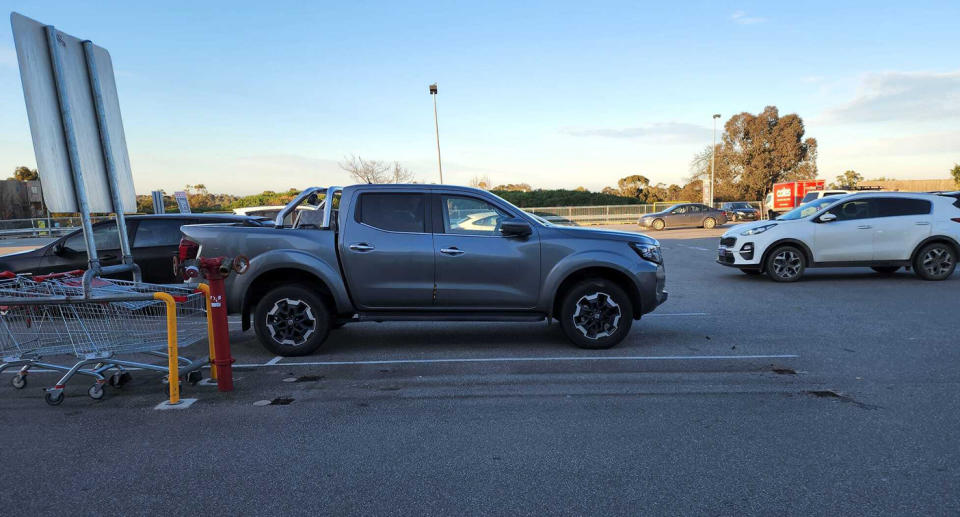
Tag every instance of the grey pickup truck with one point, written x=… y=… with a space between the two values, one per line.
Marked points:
x=429 y=253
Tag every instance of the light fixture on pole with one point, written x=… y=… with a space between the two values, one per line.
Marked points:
x=713 y=157
x=436 y=127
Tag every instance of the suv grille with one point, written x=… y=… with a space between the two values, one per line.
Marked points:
x=728 y=241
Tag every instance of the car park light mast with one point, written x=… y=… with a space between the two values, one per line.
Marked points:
x=713 y=157
x=436 y=127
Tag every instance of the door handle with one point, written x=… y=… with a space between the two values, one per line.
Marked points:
x=361 y=247
x=922 y=223
x=864 y=227
x=453 y=251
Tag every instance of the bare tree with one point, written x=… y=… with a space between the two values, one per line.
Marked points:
x=376 y=171
x=402 y=174
x=481 y=182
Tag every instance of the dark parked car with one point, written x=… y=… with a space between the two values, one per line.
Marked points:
x=153 y=238
x=687 y=214
x=740 y=211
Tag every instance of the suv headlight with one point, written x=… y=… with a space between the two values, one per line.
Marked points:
x=649 y=252
x=758 y=229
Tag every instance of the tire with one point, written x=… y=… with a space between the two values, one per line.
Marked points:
x=605 y=299
x=54 y=398
x=709 y=223
x=19 y=381
x=292 y=321
x=785 y=264
x=658 y=224
x=752 y=272
x=885 y=270
x=935 y=261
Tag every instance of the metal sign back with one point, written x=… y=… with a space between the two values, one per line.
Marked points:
x=47 y=121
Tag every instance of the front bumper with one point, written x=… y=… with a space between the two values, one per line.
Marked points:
x=738 y=253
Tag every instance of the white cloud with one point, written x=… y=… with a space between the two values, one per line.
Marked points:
x=909 y=145
x=902 y=96
x=741 y=18
x=671 y=132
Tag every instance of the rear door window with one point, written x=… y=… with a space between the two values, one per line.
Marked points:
x=894 y=207
x=158 y=232
x=398 y=212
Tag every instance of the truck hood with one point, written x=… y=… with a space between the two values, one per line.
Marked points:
x=610 y=235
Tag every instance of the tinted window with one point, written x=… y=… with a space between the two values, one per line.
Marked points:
x=855 y=209
x=892 y=207
x=393 y=212
x=159 y=233
x=105 y=237
x=471 y=216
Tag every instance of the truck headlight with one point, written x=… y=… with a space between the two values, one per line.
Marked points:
x=650 y=252
x=758 y=229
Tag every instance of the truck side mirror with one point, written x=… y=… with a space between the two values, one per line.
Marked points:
x=827 y=217
x=515 y=227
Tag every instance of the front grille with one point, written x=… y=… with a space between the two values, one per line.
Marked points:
x=728 y=241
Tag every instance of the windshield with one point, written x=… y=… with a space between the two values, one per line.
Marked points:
x=808 y=209
x=736 y=206
x=809 y=197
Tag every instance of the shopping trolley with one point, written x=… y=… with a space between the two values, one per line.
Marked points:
x=49 y=317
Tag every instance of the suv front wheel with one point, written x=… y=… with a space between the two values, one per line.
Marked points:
x=596 y=314
x=292 y=321
x=785 y=264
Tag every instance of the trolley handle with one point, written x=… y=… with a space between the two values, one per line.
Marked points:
x=74 y=273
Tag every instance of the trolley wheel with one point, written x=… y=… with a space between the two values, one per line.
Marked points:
x=119 y=379
x=18 y=381
x=194 y=377
x=165 y=380
x=96 y=391
x=54 y=398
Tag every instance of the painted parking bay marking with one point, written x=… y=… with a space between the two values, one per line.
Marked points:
x=527 y=359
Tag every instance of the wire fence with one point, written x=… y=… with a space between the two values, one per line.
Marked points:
x=606 y=214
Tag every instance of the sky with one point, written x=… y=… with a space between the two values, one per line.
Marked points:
x=250 y=96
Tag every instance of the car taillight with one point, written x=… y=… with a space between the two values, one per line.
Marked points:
x=956 y=219
x=187 y=250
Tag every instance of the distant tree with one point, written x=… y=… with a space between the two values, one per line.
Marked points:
x=759 y=150
x=632 y=186
x=376 y=171
x=22 y=173
x=848 y=180
x=481 y=182
x=581 y=189
x=514 y=187
x=610 y=191
x=955 y=172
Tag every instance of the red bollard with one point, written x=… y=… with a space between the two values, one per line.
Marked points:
x=215 y=270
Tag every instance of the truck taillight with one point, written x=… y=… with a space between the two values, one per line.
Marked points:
x=187 y=250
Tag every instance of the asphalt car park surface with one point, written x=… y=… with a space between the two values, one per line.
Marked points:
x=833 y=395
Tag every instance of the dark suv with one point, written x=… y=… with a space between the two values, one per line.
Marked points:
x=153 y=238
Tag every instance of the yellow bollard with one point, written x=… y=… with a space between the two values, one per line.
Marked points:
x=173 y=373
x=205 y=289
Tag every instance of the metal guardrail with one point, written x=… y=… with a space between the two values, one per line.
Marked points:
x=41 y=227
x=603 y=214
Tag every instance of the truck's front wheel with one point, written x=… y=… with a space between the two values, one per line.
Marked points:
x=292 y=321
x=596 y=313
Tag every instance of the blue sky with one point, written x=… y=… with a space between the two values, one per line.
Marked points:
x=247 y=96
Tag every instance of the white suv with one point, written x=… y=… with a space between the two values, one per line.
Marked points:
x=881 y=230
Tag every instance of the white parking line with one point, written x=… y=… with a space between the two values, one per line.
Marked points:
x=273 y=361
x=527 y=359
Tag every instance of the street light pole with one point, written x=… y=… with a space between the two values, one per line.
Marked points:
x=436 y=127
x=713 y=157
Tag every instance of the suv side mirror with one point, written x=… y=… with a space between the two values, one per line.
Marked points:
x=827 y=217
x=515 y=227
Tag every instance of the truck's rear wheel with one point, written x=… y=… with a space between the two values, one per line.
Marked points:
x=292 y=321
x=596 y=313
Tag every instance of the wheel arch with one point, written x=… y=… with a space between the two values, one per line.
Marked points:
x=932 y=239
x=273 y=278
x=603 y=272
x=807 y=253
